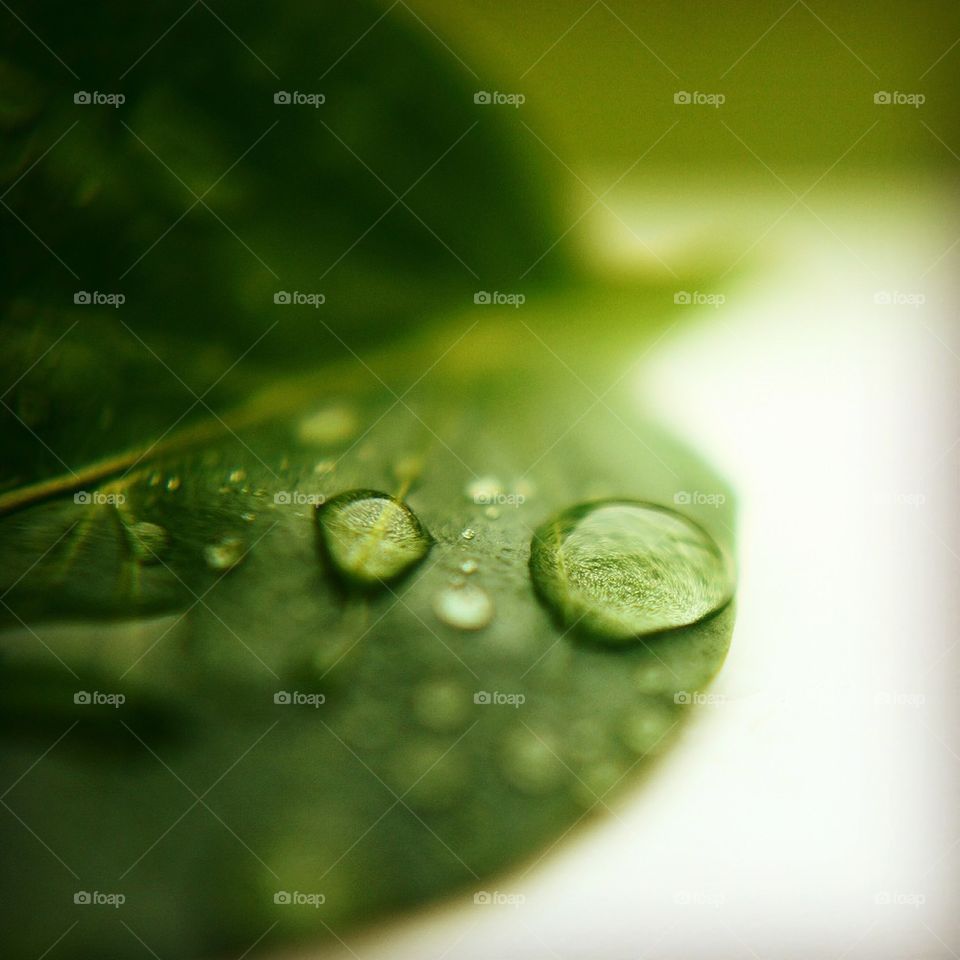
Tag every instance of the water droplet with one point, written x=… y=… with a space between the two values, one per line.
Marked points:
x=173 y=484
x=225 y=554
x=469 y=566
x=468 y=533
x=465 y=607
x=248 y=517
x=238 y=476
x=484 y=489
x=492 y=513
x=148 y=541
x=621 y=569
x=371 y=537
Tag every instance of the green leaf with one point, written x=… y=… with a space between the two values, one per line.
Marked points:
x=194 y=584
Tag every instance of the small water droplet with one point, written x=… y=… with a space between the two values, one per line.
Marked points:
x=225 y=554
x=621 y=569
x=173 y=483
x=148 y=541
x=465 y=607
x=248 y=517
x=469 y=566
x=484 y=489
x=492 y=513
x=238 y=476
x=371 y=537
x=468 y=533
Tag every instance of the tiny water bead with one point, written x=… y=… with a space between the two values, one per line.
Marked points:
x=466 y=607
x=225 y=554
x=370 y=537
x=148 y=541
x=620 y=569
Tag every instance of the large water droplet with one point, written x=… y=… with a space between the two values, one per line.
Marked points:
x=620 y=569
x=371 y=537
